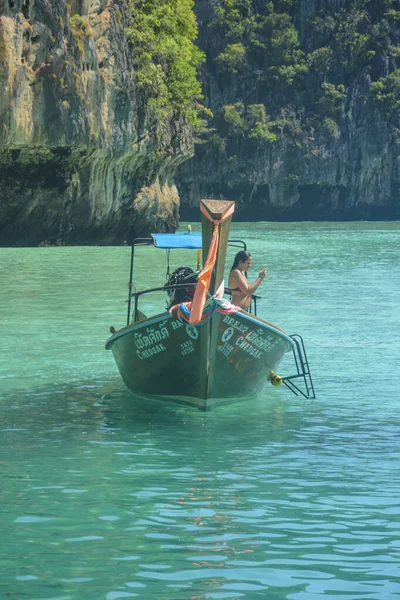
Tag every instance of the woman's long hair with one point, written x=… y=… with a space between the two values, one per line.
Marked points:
x=241 y=256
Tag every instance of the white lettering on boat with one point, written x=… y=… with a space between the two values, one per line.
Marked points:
x=176 y=324
x=249 y=348
x=150 y=351
x=262 y=343
x=192 y=331
x=256 y=344
x=187 y=347
x=228 y=333
x=226 y=349
x=233 y=323
x=150 y=336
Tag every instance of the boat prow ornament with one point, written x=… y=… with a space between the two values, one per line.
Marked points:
x=201 y=349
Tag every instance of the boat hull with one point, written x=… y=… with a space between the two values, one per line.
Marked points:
x=230 y=357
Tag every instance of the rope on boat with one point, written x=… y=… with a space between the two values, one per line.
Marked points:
x=183 y=311
x=204 y=278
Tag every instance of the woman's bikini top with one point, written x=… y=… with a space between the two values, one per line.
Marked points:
x=238 y=290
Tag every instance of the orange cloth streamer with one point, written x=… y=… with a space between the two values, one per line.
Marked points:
x=205 y=276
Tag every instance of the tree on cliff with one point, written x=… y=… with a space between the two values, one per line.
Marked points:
x=296 y=87
x=162 y=33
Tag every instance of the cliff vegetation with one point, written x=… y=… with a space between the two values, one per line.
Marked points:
x=305 y=98
x=97 y=106
x=117 y=114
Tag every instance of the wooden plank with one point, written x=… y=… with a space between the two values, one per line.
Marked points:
x=216 y=209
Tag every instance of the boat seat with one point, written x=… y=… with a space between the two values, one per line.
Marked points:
x=140 y=316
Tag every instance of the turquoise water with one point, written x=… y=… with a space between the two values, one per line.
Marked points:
x=104 y=496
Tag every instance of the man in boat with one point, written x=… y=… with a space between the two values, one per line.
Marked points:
x=240 y=287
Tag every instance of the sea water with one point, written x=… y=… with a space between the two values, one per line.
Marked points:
x=106 y=496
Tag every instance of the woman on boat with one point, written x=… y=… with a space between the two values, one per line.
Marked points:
x=240 y=287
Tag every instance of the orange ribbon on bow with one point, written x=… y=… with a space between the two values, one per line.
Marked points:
x=205 y=275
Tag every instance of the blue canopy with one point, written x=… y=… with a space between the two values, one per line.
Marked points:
x=177 y=240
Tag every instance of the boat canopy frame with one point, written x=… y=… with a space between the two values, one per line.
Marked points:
x=169 y=241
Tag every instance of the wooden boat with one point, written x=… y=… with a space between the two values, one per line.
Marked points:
x=222 y=355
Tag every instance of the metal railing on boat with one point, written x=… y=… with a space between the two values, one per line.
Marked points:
x=303 y=370
x=148 y=242
x=167 y=288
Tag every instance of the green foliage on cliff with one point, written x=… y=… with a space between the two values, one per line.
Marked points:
x=162 y=33
x=81 y=30
x=267 y=41
x=307 y=64
x=246 y=122
x=386 y=94
x=266 y=54
x=233 y=59
x=352 y=39
x=258 y=126
x=320 y=60
x=233 y=117
x=332 y=99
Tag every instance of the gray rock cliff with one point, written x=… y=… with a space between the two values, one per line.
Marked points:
x=297 y=132
x=81 y=158
x=324 y=162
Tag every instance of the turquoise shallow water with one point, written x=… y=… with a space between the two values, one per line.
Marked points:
x=104 y=496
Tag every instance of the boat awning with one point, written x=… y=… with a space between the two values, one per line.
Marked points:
x=177 y=240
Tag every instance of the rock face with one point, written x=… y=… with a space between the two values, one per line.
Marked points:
x=83 y=161
x=78 y=148
x=350 y=174
x=345 y=167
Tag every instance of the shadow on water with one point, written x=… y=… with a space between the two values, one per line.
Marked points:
x=101 y=408
x=96 y=411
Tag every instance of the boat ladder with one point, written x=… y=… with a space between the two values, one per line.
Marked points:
x=303 y=370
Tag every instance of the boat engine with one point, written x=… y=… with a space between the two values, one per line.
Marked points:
x=182 y=275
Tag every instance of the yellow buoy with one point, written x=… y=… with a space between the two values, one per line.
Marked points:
x=189 y=229
x=276 y=380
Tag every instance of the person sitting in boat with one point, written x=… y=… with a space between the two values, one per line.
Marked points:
x=182 y=275
x=240 y=288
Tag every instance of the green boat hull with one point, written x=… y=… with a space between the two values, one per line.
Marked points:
x=230 y=357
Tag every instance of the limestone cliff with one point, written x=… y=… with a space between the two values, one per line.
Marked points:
x=79 y=147
x=306 y=120
x=323 y=148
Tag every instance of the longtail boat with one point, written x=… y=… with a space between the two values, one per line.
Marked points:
x=203 y=350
